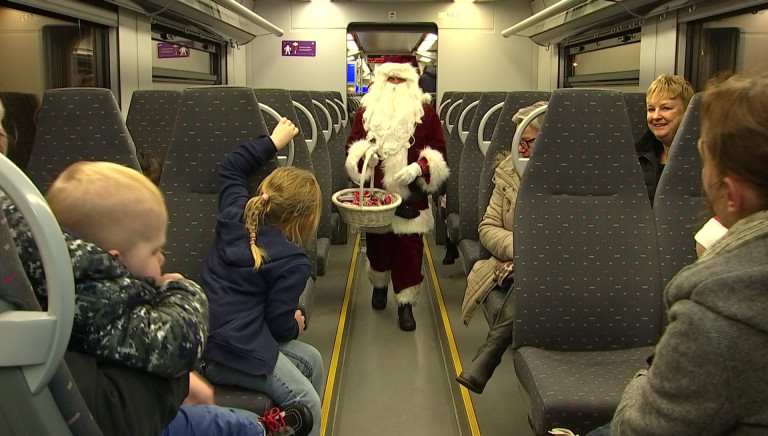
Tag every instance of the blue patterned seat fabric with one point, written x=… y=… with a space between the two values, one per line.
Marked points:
x=636 y=110
x=151 y=118
x=588 y=302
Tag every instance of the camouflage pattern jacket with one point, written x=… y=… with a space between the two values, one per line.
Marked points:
x=120 y=318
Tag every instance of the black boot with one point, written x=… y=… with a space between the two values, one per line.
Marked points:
x=405 y=318
x=476 y=375
x=451 y=252
x=379 y=298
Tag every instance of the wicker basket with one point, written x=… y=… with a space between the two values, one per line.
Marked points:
x=366 y=216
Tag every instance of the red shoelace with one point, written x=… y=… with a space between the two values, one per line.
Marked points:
x=273 y=420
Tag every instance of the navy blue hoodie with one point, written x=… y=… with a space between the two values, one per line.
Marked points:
x=251 y=311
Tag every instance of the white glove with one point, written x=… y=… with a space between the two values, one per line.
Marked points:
x=408 y=174
x=374 y=159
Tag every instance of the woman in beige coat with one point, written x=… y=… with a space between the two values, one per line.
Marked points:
x=495 y=231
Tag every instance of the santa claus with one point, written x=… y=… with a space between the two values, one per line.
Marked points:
x=401 y=131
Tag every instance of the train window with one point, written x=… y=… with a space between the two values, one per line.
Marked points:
x=612 y=62
x=48 y=51
x=181 y=57
x=726 y=45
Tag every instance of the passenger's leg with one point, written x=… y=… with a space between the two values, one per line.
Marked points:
x=202 y=420
x=475 y=376
x=378 y=249
x=407 y=277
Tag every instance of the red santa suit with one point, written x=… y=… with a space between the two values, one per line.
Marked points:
x=396 y=121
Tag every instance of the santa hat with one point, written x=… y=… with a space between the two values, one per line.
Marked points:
x=400 y=66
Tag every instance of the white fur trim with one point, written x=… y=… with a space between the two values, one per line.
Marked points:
x=424 y=223
x=355 y=154
x=427 y=98
x=393 y=69
x=408 y=295
x=379 y=279
x=438 y=170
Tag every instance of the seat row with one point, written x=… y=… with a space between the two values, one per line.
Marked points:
x=591 y=256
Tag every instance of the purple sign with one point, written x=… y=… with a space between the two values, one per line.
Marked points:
x=299 y=48
x=170 y=50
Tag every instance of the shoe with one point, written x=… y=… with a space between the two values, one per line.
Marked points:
x=562 y=432
x=379 y=298
x=293 y=421
x=451 y=253
x=405 y=318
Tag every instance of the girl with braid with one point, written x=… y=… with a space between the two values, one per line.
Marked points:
x=253 y=276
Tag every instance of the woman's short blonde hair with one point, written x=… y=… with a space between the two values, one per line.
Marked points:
x=521 y=114
x=671 y=86
x=107 y=204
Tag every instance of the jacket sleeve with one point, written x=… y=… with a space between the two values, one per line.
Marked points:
x=283 y=301
x=126 y=320
x=494 y=237
x=357 y=131
x=237 y=165
x=686 y=390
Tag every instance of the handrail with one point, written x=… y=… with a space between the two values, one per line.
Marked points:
x=448 y=124
x=445 y=102
x=291 y=145
x=562 y=5
x=326 y=133
x=312 y=142
x=45 y=335
x=462 y=134
x=522 y=162
x=481 y=128
x=251 y=16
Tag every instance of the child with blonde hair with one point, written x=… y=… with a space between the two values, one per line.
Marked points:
x=254 y=274
x=137 y=332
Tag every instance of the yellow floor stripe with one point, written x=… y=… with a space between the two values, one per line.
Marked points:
x=469 y=408
x=337 y=343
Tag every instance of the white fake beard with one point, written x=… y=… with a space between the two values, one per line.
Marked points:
x=391 y=114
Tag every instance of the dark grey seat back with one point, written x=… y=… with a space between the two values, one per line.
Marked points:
x=587 y=287
x=680 y=205
x=20 y=123
x=151 y=118
x=637 y=110
x=77 y=124
x=212 y=121
x=321 y=160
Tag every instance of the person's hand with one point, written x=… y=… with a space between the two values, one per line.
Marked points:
x=200 y=391
x=300 y=319
x=408 y=174
x=283 y=132
x=374 y=159
x=168 y=277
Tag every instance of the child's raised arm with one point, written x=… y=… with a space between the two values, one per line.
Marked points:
x=283 y=132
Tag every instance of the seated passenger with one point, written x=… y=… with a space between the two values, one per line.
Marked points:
x=711 y=364
x=254 y=275
x=666 y=98
x=137 y=332
x=496 y=236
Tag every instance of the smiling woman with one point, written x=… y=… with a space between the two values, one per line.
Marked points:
x=666 y=98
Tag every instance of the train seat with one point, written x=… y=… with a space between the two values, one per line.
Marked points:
x=275 y=104
x=309 y=123
x=77 y=124
x=20 y=122
x=337 y=153
x=501 y=141
x=636 y=110
x=587 y=287
x=39 y=395
x=470 y=166
x=464 y=111
x=680 y=202
x=151 y=117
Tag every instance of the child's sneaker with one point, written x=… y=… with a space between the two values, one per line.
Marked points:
x=562 y=432
x=293 y=421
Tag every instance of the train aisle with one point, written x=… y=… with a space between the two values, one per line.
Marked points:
x=383 y=381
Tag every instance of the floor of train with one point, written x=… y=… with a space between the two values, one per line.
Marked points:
x=383 y=381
